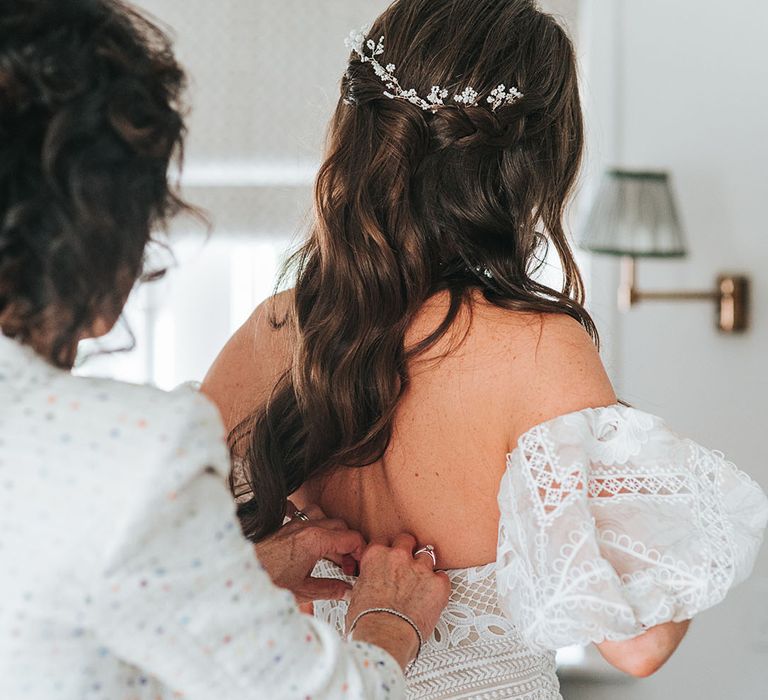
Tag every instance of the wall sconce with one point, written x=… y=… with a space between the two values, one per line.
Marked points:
x=634 y=216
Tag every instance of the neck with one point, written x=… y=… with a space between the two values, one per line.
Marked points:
x=44 y=344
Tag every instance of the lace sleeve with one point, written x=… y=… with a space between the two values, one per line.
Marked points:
x=611 y=524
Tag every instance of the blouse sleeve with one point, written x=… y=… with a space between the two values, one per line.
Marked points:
x=611 y=524
x=184 y=599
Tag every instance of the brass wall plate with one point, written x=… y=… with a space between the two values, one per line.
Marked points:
x=733 y=303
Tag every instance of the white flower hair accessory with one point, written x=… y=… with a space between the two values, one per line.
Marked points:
x=501 y=96
x=368 y=51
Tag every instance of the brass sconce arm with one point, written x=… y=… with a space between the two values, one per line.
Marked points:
x=731 y=296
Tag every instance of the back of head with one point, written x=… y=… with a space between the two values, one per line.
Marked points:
x=421 y=193
x=463 y=189
x=89 y=121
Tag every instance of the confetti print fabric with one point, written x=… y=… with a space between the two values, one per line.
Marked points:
x=123 y=572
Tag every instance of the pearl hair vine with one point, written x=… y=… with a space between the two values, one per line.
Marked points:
x=368 y=51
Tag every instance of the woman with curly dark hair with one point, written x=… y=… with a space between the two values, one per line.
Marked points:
x=123 y=571
x=420 y=376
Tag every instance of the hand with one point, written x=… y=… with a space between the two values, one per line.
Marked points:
x=390 y=577
x=290 y=555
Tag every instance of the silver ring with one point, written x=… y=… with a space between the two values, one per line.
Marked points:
x=300 y=515
x=429 y=550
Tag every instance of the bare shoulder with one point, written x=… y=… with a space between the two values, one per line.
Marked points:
x=539 y=366
x=560 y=371
x=522 y=368
x=250 y=365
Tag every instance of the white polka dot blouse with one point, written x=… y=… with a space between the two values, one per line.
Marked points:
x=123 y=572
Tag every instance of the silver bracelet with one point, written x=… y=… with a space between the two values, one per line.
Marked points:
x=402 y=616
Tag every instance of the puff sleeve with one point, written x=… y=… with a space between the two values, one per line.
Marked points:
x=612 y=524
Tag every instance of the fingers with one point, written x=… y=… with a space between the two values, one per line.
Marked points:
x=408 y=543
x=310 y=514
x=323 y=589
x=349 y=565
x=316 y=516
x=425 y=561
x=331 y=524
x=446 y=580
x=346 y=562
x=341 y=543
x=391 y=577
x=335 y=524
x=326 y=538
x=405 y=542
x=345 y=546
x=313 y=512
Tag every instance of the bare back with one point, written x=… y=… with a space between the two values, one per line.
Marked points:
x=493 y=376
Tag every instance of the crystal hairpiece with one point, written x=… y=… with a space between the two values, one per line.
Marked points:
x=368 y=51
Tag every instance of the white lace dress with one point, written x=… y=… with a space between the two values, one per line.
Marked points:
x=610 y=524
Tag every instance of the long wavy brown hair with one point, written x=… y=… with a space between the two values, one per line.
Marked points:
x=410 y=203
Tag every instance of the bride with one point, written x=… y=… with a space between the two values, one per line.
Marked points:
x=419 y=378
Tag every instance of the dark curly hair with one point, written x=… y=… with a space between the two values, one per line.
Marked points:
x=90 y=120
x=408 y=204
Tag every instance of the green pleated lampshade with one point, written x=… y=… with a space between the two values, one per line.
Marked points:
x=634 y=214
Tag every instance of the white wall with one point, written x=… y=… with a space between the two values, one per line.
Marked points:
x=683 y=85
